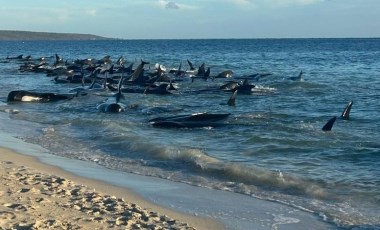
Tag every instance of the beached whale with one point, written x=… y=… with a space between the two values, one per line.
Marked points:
x=30 y=96
x=190 y=121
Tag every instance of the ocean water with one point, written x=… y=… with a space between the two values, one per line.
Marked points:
x=270 y=147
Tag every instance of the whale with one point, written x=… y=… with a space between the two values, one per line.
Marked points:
x=229 y=86
x=163 y=88
x=201 y=70
x=298 y=78
x=330 y=123
x=224 y=74
x=232 y=100
x=30 y=96
x=19 y=57
x=137 y=75
x=255 y=76
x=346 y=112
x=202 y=73
x=112 y=104
x=244 y=88
x=190 y=120
x=192 y=68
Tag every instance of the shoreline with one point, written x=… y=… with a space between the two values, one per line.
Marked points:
x=31 y=198
x=186 y=205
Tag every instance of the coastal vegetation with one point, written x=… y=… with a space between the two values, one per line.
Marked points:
x=12 y=35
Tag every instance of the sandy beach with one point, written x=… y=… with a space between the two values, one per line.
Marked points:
x=34 y=195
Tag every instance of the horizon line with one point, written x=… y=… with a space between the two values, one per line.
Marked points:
x=211 y=38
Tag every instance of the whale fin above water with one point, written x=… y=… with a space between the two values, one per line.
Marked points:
x=328 y=126
x=191 y=65
x=346 y=112
x=232 y=100
x=139 y=71
x=201 y=70
x=206 y=74
x=298 y=78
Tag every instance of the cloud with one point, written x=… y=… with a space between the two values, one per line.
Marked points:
x=172 y=5
x=242 y=3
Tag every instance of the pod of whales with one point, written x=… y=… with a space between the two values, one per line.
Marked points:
x=103 y=74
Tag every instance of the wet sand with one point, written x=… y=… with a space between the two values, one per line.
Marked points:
x=34 y=195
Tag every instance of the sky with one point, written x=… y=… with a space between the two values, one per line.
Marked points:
x=191 y=19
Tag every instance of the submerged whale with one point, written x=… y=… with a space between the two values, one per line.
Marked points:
x=190 y=120
x=298 y=78
x=30 y=96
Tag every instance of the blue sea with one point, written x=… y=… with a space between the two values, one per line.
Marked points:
x=271 y=146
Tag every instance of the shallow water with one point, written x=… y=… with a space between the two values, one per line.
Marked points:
x=271 y=146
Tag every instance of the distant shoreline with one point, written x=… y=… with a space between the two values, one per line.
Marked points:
x=13 y=35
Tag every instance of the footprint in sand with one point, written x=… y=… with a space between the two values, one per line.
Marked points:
x=16 y=207
x=23 y=190
x=5 y=217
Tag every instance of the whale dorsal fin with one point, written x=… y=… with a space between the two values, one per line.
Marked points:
x=231 y=101
x=206 y=74
x=190 y=64
x=328 y=126
x=300 y=78
x=346 y=112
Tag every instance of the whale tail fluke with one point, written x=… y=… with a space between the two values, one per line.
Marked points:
x=328 y=126
x=346 y=112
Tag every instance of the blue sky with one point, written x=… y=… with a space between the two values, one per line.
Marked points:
x=150 y=19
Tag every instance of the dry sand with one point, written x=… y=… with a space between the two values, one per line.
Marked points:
x=38 y=196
